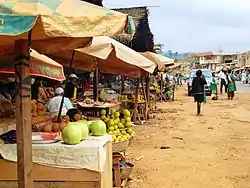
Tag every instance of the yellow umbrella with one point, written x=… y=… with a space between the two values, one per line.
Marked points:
x=112 y=56
x=57 y=18
x=160 y=60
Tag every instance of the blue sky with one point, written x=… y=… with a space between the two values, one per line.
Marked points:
x=197 y=25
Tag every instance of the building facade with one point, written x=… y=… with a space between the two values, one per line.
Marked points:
x=243 y=60
x=215 y=61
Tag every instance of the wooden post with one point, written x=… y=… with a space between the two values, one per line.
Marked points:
x=96 y=81
x=161 y=87
x=147 y=87
x=23 y=115
x=122 y=84
x=135 y=113
x=146 y=100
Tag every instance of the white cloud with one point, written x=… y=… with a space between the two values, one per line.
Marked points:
x=197 y=25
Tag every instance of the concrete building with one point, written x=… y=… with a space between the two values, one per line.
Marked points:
x=243 y=59
x=215 y=61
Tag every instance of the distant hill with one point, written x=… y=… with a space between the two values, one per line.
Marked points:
x=176 y=55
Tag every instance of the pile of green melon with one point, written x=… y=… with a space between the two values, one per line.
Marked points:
x=118 y=125
x=75 y=132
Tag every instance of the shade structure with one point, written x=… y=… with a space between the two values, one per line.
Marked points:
x=40 y=65
x=112 y=57
x=57 y=18
x=160 y=60
x=47 y=23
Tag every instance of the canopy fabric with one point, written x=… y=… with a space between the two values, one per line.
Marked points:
x=160 y=60
x=176 y=65
x=40 y=65
x=57 y=18
x=55 y=24
x=112 y=57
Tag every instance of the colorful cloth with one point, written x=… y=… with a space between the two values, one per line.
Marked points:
x=231 y=83
x=213 y=85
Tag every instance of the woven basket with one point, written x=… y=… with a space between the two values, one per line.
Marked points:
x=126 y=171
x=120 y=146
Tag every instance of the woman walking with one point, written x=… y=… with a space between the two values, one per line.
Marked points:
x=231 y=85
x=198 y=90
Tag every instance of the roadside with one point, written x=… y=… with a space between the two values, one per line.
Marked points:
x=211 y=151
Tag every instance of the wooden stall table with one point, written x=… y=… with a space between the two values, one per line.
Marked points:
x=95 y=109
x=60 y=176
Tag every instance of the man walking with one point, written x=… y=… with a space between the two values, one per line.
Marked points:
x=223 y=80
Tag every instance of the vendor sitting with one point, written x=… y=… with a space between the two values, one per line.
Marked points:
x=53 y=105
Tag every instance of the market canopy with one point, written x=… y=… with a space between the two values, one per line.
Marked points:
x=57 y=18
x=40 y=65
x=160 y=60
x=112 y=57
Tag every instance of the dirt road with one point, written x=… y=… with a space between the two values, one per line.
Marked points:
x=211 y=151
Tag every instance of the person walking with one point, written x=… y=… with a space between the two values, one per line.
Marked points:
x=231 y=85
x=198 y=90
x=244 y=77
x=213 y=87
x=223 y=80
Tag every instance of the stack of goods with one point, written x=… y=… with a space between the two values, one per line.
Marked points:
x=38 y=112
x=140 y=98
x=118 y=125
x=74 y=132
x=123 y=98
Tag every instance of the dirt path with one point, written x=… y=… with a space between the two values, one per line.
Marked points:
x=212 y=151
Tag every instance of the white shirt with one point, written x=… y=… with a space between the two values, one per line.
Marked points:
x=53 y=105
x=222 y=75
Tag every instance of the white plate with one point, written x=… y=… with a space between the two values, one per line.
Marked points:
x=44 y=141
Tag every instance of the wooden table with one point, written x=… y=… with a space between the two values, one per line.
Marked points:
x=53 y=177
x=94 y=110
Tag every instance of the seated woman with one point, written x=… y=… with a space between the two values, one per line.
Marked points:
x=37 y=91
x=6 y=107
x=53 y=105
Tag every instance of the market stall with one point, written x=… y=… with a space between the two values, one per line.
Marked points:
x=47 y=22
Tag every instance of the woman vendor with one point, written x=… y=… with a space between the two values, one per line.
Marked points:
x=70 y=88
x=37 y=91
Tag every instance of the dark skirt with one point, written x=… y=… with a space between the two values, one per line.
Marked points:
x=199 y=98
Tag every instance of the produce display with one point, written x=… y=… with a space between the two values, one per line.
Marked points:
x=118 y=125
x=37 y=112
x=131 y=98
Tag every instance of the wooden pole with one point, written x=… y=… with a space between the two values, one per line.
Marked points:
x=161 y=87
x=146 y=100
x=96 y=80
x=147 y=87
x=23 y=115
x=122 y=84
x=135 y=113
x=62 y=101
